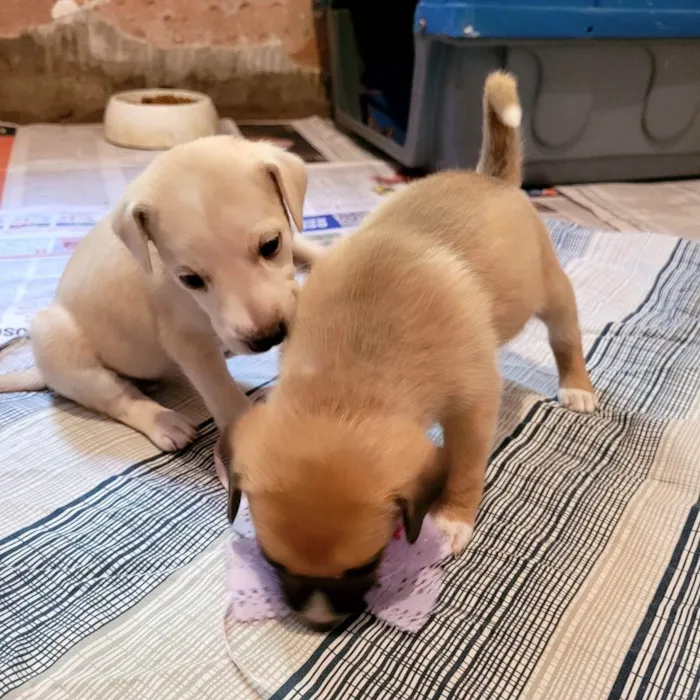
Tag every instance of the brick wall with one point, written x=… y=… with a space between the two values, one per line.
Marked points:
x=61 y=59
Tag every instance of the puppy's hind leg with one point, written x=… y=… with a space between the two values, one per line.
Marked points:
x=72 y=369
x=561 y=318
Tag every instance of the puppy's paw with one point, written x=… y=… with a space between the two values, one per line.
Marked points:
x=578 y=400
x=458 y=532
x=171 y=430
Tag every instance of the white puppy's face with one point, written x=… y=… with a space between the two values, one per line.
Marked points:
x=214 y=210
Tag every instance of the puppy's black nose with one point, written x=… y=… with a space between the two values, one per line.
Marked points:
x=263 y=343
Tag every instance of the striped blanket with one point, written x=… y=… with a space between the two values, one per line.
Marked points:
x=582 y=580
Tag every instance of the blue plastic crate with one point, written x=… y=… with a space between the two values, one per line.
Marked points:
x=618 y=102
x=559 y=19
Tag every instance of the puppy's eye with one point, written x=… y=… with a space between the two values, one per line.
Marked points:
x=193 y=281
x=270 y=247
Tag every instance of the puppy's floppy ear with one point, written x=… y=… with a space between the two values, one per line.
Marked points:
x=289 y=173
x=133 y=224
x=417 y=497
x=234 y=497
x=234 y=481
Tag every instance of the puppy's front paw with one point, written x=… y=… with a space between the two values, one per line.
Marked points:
x=171 y=431
x=578 y=400
x=458 y=532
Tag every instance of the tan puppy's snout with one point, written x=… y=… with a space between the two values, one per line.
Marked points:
x=254 y=335
x=320 y=602
x=264 y=339
x=323 y=603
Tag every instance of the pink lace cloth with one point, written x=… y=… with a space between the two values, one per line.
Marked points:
x=409 y=578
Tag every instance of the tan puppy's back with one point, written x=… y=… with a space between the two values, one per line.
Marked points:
x=490 y=226
x=402 y=299
x=421 y=269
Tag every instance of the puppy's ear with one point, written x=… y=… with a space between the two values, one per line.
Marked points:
x=234 y=497
x=133 y=224
x=234 y=481
x=289 y=172
x=418 y=497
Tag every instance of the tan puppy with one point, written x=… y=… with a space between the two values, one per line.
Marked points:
x=195 y=261
x=396 y=328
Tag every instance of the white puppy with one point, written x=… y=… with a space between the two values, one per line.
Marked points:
x=195 y=261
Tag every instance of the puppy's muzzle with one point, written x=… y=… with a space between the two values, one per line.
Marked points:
x=268 y=339
x=323 y=603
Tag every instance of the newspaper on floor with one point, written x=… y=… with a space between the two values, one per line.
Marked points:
x=560 y=207
x=340 y=195
x=35 y=245
x=36 y=242
x=72 y=165
x=333 y=144
x=665 y=207
x=314 y=139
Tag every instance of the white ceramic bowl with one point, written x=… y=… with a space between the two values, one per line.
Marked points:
x=131 y=123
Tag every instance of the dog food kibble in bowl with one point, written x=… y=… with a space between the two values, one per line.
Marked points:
x=166 y=100
x=158 y=119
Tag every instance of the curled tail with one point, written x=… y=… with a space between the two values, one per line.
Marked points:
x=28 y=380
x=501 y=155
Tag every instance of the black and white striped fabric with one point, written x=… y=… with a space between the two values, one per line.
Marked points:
x=581 y=581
